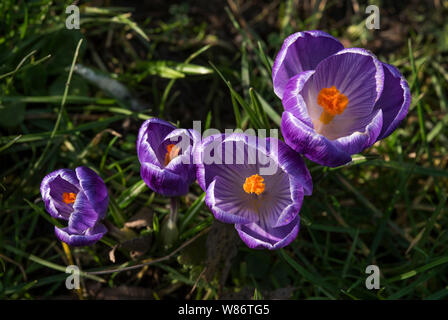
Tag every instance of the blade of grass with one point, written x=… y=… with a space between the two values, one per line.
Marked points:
x=38 y=163
x=170 y=84
x=192 y=211
x=253 y=117
x=269 y=110
x=258 y=109
x=10 y=143
x=350 y=254
x=316 y=280
x=128 y=195
x=412 y=273
x=48 y=264
x=45 y=135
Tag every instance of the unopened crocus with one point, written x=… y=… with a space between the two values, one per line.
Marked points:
x=80 y=197
x=337 y=101
x=255 y=183
x=165 y=155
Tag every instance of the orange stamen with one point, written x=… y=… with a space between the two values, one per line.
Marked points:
x=172 y=151
x=254 y=184
x=69 y=197
x=333 y=102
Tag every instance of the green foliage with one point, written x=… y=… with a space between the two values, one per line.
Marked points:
x=388 y=207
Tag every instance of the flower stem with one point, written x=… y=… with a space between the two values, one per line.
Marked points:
x=69 y=256
x=174 y=209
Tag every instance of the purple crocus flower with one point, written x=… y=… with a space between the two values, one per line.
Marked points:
x=255 y=183
x=80 y=197
x=337 y=101
x=165 y=155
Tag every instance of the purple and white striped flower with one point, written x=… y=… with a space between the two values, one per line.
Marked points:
x=80 y=197
x=255 y=183
x=165 y=155
x=337 y=101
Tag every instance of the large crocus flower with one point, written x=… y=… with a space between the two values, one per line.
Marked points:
x=337 y=101
x=165 y=155
x=80 y=197
x=255 y=183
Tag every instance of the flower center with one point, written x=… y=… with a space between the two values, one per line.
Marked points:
x=333 y=102
x=69 y=197
x=172 y=151
x=254 y=184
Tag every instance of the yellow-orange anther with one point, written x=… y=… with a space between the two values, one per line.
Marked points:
x=69 y=197
x=333 y=102
x=254 y=184
x=172 y=151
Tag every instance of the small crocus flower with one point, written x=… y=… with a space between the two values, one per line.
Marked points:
x=255 y=183
x=337 y=101
x=165 y=155
x=80 y=197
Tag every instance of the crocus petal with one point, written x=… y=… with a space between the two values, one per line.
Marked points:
x=312 y=145
x=94 y=188
x=89 y=205
x=84 y=215
x=279 y=203
x=227 y=204
x=206 y=147
x=58 y=186
x=358 y=141
x=163 y=181
x=174 y=178
x=183 y=140
x=159 y=129
x=394 y=101
x=292 y=164
x=292 y=99
x=282 y=199
x=151 y=134
x=260 y=235
x=52 y=188
x=277 y=154
x=377 y=99
x=183 y=166
x=300 y=52
x=358 y=75
x=75 y=239
x=196 y=136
